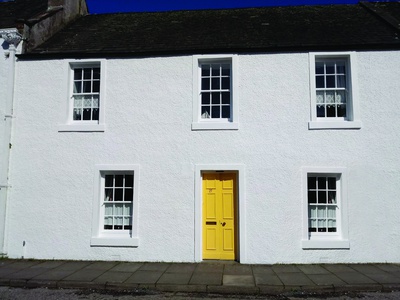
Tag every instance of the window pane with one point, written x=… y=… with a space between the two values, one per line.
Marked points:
x=319 y=68
x=330 y=68
x=332 y=212
x=320 y=111
x=321 y=212
x=129 y=180
x=312 y=212
x=77 y=74
x=320 y=98
x=321 y=182
x=108 y=209
x=331 y=183
x=340 y=97
x=205 y=112
x=77 y=114
x=109 y=180
x=215 y=84
x=312 y=197
x=341 y=81
x=341 y=110
x=312 y=182
x=205 y=98
x=87 y=73
x=226 y=83
x=96 y=73
x=226 y=69
x=87 y=102
x=331 y=197
x=127 y=209
x=108 y=195
x=341 y=67
x=226 y=112
x=118 y=210
x=226 y=98
x=118 y=223
x=108 y=223
x=205 y=84
x=331 y=111
x=128 y=195
x=205 y=70
x=330 y=97
x=87 y=114
x=330 y=81
x=96 y=86
x=322 y=197
x=312 y=225
x=118 y=194
x=215 y=113
x=320 y=81
x=95 y=102
x=119 y=180
x=77 y=87
x=87 y=87
x=215 y=98
x=215 y=69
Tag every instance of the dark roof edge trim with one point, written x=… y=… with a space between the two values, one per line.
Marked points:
x=53 y=55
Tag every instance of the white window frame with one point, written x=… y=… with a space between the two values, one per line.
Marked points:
x=327 y=240
x=114 y=238
x=215 y=124
x=75 y=125
x=352 y=120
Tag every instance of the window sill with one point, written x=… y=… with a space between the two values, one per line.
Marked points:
x=325 y=244
x=81 y=128
x=215 y=126
x=114 y=242
x=334 y=125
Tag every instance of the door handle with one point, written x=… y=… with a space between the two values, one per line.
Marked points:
x=223 y=224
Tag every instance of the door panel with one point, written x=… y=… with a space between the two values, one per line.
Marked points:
x=219 y=205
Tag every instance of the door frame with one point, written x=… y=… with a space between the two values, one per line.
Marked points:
x=239 y=169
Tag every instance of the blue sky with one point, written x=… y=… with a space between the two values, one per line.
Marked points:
x=107 y=6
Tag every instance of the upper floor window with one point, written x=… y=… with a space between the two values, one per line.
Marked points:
x=86 y=93
x=214 y=99
x=334 y=100
x=86 y=97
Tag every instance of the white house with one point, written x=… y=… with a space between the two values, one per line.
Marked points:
x=262 y=135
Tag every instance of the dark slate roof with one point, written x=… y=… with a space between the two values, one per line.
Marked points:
x=19 y=9
x=290 y=28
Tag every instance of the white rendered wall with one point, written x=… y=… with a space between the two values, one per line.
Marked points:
x=148 y=118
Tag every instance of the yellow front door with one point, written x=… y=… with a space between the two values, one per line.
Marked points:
x=219 y=208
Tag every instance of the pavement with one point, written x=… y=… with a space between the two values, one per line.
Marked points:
x=204 y=277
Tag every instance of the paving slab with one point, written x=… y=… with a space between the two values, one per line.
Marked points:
x=210 y=268
x=54 y=274
x=154 y=267
x=326 y=279
x=294 y=279
x=267 y=279
x=73 y=265
x=101 y=265
x=368 y=269
x=126 y=267
x=389 y=267
x=313 y=269
x=26 y=273
x=238 y=280
x=384 y=278
x=354 y=278
x=144 y=277
x=112 y=276
x=23 y=264
x=206 y=278
x=181 y=268
x=257 y=269
x=175 y=278
x=4 y=273
x=84 y=275
x=51 y=264
x=338 y=268
x=285 y=269
x=238 y=270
